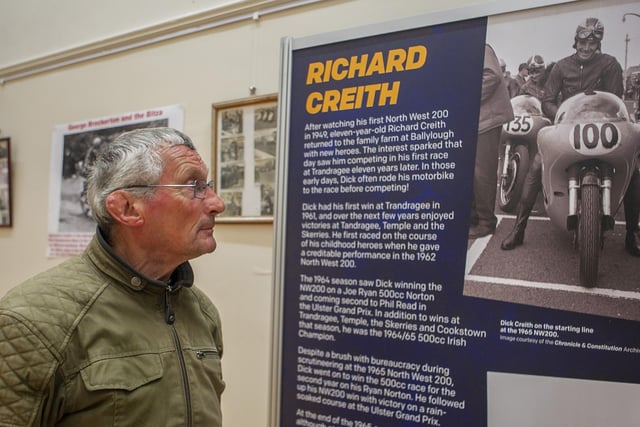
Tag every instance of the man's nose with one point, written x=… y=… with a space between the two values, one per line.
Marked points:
x=215 y=204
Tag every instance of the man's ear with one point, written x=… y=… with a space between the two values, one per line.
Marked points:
x=124 y=208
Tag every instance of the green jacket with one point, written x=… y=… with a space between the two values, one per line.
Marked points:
x=92 y=342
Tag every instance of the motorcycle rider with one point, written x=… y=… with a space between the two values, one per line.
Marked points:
x=537 y=71
x=495 y=110
x=89 y=158
x=523 y=74
x=91 y=154
x=512 y=83
x=587 y=69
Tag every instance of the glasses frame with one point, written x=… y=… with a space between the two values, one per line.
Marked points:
x=204 y=185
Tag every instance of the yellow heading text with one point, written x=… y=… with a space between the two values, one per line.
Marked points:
x=365 y=65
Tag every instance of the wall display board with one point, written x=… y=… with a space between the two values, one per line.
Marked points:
x=74 y=146
x=386 y=312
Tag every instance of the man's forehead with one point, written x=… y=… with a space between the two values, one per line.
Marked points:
x=181 y=155
x=178 y=151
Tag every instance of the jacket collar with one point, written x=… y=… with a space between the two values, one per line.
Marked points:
x=105 y=259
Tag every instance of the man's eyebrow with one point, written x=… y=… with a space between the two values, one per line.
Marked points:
x=193 y=173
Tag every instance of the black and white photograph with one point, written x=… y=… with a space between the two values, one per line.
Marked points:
x=80 y=150
x=245 y=157
x=74 y=147
x=5 y=182
x=564 y=229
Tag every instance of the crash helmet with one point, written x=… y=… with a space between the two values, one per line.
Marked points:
x=535 y=64
x=589 y=29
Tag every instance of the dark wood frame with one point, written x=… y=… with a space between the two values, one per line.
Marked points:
x=244 y=157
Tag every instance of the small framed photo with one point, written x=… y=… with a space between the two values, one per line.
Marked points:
x=5 y=182
x=244 y=157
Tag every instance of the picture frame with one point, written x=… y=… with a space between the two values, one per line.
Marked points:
x=244 y=157
x=6 y=207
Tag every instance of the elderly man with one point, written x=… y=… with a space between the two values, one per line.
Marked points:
x=119 y=335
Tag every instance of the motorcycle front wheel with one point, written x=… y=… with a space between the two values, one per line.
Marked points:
x=510 y=189
x=589 y=232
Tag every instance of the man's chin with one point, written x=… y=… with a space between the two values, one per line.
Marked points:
x=212 y=246
x=585 y=57
x=207 y=246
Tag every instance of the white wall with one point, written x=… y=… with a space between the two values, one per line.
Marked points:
x=195 y=71
x=33 y=28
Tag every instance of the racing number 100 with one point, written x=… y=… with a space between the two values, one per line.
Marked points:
x=591 y=134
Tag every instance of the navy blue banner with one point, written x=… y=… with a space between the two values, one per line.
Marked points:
x=382 y=144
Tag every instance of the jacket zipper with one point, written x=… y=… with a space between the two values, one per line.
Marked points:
x=170 y=319
x=580 y=88
x=203 y=354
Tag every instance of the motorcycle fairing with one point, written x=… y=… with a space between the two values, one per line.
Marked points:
x=590 y=129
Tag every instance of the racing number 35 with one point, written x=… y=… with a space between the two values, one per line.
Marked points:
x=519 y=124
x=592 y=134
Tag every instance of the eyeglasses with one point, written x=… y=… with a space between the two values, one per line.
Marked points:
x=199 y=187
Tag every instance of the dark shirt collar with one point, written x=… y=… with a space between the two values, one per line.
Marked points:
x=182 y=276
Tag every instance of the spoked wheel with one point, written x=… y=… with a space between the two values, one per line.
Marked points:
x=510 y=189
x=589 y=235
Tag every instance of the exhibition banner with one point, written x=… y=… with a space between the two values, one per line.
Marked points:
x=389 y=313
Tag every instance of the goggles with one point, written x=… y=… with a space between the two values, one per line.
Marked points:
x=587 y=33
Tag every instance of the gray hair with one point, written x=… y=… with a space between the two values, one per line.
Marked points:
x=131 y=159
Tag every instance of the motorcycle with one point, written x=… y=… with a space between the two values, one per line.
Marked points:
x=588 y=157
x=518 y=147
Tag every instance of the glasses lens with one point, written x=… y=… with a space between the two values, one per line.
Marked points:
x=200 y=189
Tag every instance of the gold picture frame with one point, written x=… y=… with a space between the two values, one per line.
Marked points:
x=6 y=208
x=244 y=157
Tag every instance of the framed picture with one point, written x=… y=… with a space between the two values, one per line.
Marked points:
x=244 y=157
x=5 y=182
